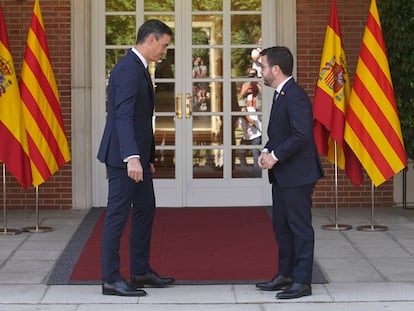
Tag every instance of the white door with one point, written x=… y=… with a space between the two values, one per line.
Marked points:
x=202 y=157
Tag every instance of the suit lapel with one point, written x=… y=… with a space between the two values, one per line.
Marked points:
x=278 y=98
x=146 y=73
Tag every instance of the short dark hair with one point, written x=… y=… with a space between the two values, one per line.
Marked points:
x=152 y=26
x=281 y=56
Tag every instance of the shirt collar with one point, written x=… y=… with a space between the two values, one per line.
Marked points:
x=140 y=57
x=281 y=85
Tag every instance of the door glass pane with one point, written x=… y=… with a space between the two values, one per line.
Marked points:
x=164 y=131
x=245 y=164
x=240 y=62
x=247 y=127
x=207 y=131
x=207 y=136
x=207 y=162
x=164 y=134
x=111 y=58
x=164 y=163
x=207 y=5
x=164 y=83
x=207 y=63
x=120 y=30
x=246 y=5
x=207 y=29
x=245 y=29
x=120 y=5
x=159 y=6
x=207 y=97
x=247 y=140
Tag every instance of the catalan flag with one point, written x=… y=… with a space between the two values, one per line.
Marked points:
x=331 y=100
x=48 y=145
x=372 y=127
x=14 y=150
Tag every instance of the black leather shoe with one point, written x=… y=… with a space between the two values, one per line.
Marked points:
x=295 y=291
x=277 y=283
x=121 y=288
x=150 y=278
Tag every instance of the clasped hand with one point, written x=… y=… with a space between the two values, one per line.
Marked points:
x=266 y=161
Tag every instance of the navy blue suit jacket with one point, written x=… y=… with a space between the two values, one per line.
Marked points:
x=128 y=130
x=290 y=133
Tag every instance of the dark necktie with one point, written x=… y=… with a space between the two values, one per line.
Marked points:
x=274 y=105
x=275 y=95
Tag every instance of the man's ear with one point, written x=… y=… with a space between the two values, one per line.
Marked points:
x=150 y=38
x=275 y=69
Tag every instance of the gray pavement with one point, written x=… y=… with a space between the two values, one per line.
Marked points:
x=367 y=271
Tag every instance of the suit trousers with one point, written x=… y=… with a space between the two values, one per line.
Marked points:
x=127 y=197
x=292 y=225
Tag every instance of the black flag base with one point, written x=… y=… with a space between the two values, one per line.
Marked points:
x=6 y=231
x=336 y=227
x=372 y=228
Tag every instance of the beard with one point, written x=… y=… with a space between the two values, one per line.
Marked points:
x=267 y=80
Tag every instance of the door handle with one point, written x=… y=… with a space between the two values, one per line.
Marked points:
x=179 y=104
x=188 y=105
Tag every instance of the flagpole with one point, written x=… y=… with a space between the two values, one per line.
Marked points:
x=336 y=226
x=6 y=230
x=372 y=227
x=37 y=228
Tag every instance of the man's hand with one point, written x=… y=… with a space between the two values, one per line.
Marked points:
x=266 y=161
x=134 y=169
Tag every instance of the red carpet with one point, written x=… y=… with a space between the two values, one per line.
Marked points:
x=197 y=245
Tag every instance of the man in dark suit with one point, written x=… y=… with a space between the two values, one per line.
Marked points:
x=128 y=150
x=291 y=157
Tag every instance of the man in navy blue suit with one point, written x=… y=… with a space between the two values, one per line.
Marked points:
x=293 y=164
x=128 y=150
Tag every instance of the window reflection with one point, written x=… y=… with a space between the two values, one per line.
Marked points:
x=159 y=6
x=207 y=29
x=245 y=29
x=208 y=163
x=164 y=73
x=111 y=58
x=207 y=63
x=120 y=5
x=164 y=136
x=246 y=5
x=207 y=5
x=247 y=128
x=120 y=30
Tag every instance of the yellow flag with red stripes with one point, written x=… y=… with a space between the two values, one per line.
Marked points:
x=372 y=127
x=14 y=150
x=48 y=145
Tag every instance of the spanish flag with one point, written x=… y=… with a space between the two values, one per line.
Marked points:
x=331 y=100
x=48 y=145
x=14 y=150
x=372 y=127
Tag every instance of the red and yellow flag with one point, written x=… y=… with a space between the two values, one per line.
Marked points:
x=48 y=145
x=372 y=127
x=14 y=150
x=331 y=101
